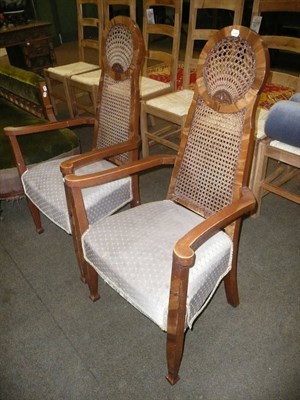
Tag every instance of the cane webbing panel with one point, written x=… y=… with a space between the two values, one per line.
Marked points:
x=206 y=176
x=115 y=107
x=229 y=70
x=207 y=171
x=114 y=113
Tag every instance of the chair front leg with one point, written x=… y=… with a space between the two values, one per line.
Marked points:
x=230 y=280
x=92 y=281
x=176 y=320
x=35 y=216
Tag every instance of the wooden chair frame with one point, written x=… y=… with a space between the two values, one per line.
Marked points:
x=111 y=152
x=227 y=218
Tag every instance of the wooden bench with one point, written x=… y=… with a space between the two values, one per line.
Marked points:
x=24 y=101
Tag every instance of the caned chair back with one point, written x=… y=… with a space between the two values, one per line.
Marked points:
x=156 y=30
x=198 y=29
x=120 y=7
x=213 y=159
x=90 y=27
x=118 y=98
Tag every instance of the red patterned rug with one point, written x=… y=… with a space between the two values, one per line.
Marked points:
x=271 y=94
x=162 y=73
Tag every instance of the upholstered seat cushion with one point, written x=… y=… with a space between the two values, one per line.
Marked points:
x=44 y=185
x=132 y=251
x=283 y=122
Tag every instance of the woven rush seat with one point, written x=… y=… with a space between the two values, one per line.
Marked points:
x=91 y=78
x=71 y=69
x=149 y=87
x=175 y=102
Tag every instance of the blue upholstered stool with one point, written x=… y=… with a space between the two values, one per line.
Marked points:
x=281 y=144
x=283 y=121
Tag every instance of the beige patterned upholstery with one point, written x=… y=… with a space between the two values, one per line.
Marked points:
x=43 y=184
x=168 y=257
x=155 y=226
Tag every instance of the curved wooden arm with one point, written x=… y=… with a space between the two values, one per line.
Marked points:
x=68 y=166
x=130 y=168
x=184 y=250
x=48 y=126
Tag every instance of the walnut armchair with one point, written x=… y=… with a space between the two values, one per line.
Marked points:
x=168 y=257
x=115 y=140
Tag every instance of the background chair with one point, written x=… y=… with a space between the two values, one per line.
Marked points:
x=166 y=31
x=281 y=144
x=117 y=124
x=161 y=24
x=90 y=27
x=281 y=85
x=83 y=87
x=200 y=220
x=173 y=107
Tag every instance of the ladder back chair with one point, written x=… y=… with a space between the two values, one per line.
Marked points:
x=83 y=87
x=173 y=107
x=157 y=29
x=116 y=139
x=198 y=225
x=281 y=85
x=90 y=27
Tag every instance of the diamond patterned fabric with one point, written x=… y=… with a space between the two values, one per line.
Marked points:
x=132 y=251
x=44 y=185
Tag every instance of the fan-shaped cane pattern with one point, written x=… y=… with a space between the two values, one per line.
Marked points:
x=229 y=70
x=213 y=145
x=119 y=48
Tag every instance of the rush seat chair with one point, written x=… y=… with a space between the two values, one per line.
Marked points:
x=90 y=28
x=83 y=87
x=168 y=257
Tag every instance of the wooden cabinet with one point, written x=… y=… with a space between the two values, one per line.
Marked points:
x=29 y=46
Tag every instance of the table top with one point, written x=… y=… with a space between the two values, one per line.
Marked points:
x=29 y=25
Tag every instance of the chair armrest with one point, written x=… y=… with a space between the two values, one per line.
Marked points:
x=184 y=250
x=48 y=126
x=14 y=132
x=130 y=168
x=67 y=167
x=74 y=183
